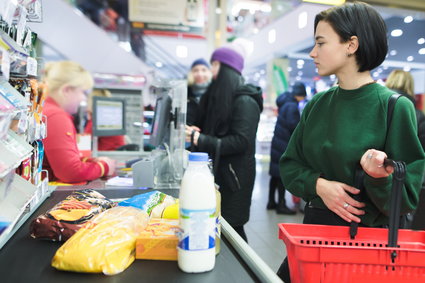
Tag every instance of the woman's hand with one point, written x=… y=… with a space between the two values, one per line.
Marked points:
x=111 y=164
x=189 y=130
x=372 y=163
x=334 y=195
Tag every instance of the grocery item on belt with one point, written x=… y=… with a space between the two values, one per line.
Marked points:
x=159 y=240
x=105 y=244
x=69 y=215
x=153 y=203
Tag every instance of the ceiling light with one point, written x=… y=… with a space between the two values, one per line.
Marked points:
x=298 y=78
x=302 y=20
x=406 y=68
x=410 y=58
x=218 y=11
x=158 y=64
x=181 y=51
x=300 y=62
x=289 y=69
x=326 y=2
x=272 y=36
x=422 y=51
x=375 y=74
x=421 y=40
x=408 y=19
x=300 y=66
x=393 y=52
x=396 y=32
x=332 y=77
x=300 y=73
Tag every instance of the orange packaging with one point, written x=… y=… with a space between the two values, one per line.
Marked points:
x=159 y=240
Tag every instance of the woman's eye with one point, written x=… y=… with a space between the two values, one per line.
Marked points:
x=320 y=43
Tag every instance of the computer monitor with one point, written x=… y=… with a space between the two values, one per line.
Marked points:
x=160 y=130
x=108 y=116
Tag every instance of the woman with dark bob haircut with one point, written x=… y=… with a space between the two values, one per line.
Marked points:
x=344 y=129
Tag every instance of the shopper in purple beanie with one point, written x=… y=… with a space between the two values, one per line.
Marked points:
x=226 y=129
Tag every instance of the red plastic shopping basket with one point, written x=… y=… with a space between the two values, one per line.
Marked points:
x=327 y=254
x=322 y=253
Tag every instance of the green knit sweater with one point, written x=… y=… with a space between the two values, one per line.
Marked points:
x=336 y=128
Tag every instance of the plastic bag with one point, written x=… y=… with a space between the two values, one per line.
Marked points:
x=105 y=244
x=69 y=215
x=154 y=203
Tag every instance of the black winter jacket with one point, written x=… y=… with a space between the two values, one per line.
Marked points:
x=236 y=168
x=287 y=120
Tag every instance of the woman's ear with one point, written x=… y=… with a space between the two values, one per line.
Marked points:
x=66 y=91
x=353 y=45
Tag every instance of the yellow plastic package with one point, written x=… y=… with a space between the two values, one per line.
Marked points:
x=104 y=245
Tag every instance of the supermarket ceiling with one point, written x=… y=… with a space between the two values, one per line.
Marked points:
x=161 y=52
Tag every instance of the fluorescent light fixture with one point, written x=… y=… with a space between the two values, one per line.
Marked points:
x=302 y=20
x=326 y=2
x=406 y=68
x=181 y=51
x=410 y=58
x=125 y=45
x=272 y=36
x=408 y=19
x=422 y=51
x=421 y=40
x=396 y=32
x=393 y=52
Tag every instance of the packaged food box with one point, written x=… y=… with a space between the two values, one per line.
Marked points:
x=159 y=240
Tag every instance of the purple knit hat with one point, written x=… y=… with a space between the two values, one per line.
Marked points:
x=229 y=57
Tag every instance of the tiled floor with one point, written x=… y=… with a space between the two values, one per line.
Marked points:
x=262 y=230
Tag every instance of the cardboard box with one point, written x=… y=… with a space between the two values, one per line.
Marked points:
x=159 y=240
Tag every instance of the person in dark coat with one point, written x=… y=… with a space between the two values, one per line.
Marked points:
x=226 y=130
x=198 y=79
x=287 y=120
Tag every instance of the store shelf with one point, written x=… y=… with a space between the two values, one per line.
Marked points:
x=19 y=204
x=14 y=150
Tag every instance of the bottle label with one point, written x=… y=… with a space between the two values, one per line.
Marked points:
x=198 y=229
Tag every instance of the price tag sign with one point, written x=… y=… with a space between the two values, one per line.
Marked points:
x=31 y=66
x=5 y=63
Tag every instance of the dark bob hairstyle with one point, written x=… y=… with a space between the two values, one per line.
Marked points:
x=361 y=20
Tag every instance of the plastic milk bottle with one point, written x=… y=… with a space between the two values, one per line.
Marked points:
x=196 y=248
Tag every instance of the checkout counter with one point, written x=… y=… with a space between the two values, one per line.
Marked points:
x=24 y=259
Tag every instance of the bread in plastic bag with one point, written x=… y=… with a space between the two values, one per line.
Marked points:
x=105 y=244
x=68 y=216
x=154 y=202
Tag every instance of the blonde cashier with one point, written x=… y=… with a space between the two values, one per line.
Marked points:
x=68 y=84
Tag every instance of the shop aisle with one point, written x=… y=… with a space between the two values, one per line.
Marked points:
x=262 y=230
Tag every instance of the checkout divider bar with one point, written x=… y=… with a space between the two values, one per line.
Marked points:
x=257 y=265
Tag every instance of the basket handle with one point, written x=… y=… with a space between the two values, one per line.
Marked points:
x=399 y=176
